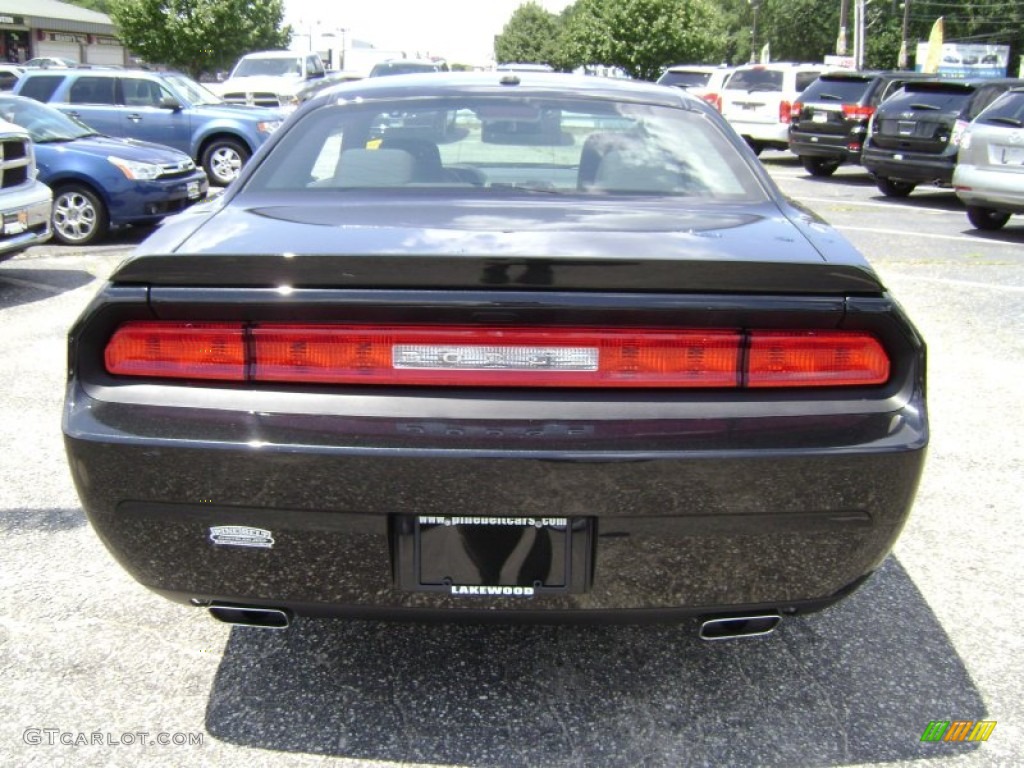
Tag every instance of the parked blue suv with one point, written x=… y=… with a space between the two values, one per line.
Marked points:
x=161 y=107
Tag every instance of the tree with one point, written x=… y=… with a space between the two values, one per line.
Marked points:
x=530 y=36
x=643 y=36
x=198 y=36
x=100 y=6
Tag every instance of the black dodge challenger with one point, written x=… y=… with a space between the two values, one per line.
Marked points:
x=505 y=345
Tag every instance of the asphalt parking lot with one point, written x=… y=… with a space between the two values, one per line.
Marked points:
x=97 y=671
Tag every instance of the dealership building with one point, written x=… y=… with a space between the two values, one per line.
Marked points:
x=33 y=28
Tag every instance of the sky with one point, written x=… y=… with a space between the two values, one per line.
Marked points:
x=459 y=30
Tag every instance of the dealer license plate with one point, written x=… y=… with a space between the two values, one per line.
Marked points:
x=490 y=556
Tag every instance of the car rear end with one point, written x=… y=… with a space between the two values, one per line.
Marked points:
x=514 y=399
x=758 y=101
x=830 y=120
x=916 y=133
x=989 y=175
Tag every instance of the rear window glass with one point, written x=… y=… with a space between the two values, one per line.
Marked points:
x=755 y=80
x=1008 y=109
x=509 y=146
x=687 y=79
x=841 y=90
x=40 y=88
x=928 y=98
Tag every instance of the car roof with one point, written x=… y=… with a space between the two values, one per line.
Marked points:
x=98 y=72
x=276 y=54
x=697 y=67
x=442 y=84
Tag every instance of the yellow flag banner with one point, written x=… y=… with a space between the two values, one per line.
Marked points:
x=931 y=62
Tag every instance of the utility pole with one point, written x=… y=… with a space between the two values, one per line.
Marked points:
x=859 y=24
x=904 y=58
x=755 y=5
x=844 y=21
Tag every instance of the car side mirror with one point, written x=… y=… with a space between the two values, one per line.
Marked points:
x=171 y=103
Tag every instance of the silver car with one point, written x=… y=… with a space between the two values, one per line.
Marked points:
x=989 y=175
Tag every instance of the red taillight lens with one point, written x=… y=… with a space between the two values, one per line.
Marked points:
x=178 y=350
x=519 y=357
x=785 y=111
x=813 y=359
x=495 y=357
x=857 y=112
x=796 y=110
x=714 y=99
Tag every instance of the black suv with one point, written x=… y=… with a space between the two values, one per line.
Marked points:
x=915 y=135
x=830 y=121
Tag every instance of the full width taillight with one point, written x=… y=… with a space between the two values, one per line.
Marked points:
x=857 y=111
x=474 y=356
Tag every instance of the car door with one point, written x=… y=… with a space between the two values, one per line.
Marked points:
x=147 y=117
x=93 y=100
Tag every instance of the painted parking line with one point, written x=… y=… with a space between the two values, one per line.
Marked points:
x=871 y=204
x=920 y=235
x=32 y=284
x=967 y=283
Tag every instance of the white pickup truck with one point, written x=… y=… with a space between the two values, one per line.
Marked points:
x=270 y=78
x=24 y=201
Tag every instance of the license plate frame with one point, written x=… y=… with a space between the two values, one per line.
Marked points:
x=483 y=556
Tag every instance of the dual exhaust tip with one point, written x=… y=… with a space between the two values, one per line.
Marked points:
x=732 y=627
x=720 y=628
x=252 y=616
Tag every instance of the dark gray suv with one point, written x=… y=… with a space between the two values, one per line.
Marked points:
x=915 y=135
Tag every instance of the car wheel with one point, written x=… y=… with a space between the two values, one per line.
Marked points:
x=223 y=159
x=78 y=215
x=819 y=166
x=986 y=218
x=893 y=188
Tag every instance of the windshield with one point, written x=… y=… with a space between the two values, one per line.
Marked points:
x=937 y=97
x=190 y=91
x=1008 y=109
x=509 y=146
x=685 y=79
x=269 y=67
x=44 y=124
x=838 y=89
x=401 y=68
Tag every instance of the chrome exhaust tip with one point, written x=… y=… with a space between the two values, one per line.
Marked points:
x=252 y=616
x=731 y=627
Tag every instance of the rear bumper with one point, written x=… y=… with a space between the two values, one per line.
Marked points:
x=774 y=134
x=805 y=144
x=687 y=516
x=909 y=166
x=1002 y=190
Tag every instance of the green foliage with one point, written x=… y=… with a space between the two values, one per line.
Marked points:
x=644 y=36
x=641 y=36
x=530 y=36
x=198 y=36
x=100 y=6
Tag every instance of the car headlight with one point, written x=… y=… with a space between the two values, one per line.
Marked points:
x=135 y=170
x=268 y=126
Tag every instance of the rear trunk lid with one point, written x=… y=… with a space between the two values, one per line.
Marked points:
x=553 y=246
